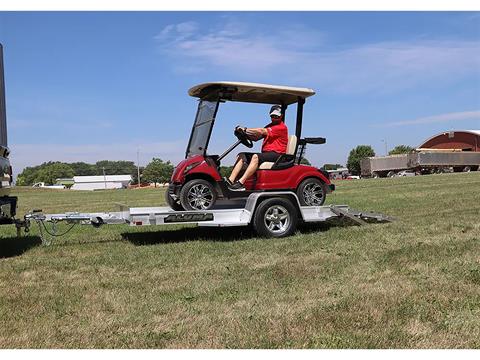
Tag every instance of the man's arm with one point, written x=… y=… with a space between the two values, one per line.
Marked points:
x=256 y=134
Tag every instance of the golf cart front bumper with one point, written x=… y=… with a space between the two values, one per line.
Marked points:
x=174 y=190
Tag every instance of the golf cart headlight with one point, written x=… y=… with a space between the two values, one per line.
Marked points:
x=191 y=166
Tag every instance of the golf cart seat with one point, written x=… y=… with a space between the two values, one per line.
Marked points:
x=286 y=160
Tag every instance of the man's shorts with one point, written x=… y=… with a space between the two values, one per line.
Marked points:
x=269 y=156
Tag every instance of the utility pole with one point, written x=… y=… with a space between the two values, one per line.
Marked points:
x=386 y=147
x=138 y=167
x=104 y=177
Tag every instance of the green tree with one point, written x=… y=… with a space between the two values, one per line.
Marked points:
x=332 y=166
x=305 y=161
x=27 y=176
x=225 y=170
x=401 y=149
x=157 y=171
x=49 y=173
x=83 y=169
x=357 y=154
x=115 y=167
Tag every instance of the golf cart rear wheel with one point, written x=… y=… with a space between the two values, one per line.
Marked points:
x=175 y=205
x=311 y=192
x=276 y=217
x=198 y=194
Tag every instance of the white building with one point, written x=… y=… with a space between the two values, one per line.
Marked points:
x=101 y=182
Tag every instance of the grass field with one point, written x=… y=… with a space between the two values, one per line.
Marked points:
x=413 y=283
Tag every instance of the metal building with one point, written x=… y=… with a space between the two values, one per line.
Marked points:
x=101 y=182
x=459 y=140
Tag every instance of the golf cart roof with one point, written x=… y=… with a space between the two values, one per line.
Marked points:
x=250 y=92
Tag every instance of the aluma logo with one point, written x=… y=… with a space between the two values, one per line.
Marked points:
x=188 y=217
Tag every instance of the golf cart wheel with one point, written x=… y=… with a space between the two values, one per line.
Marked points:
x=198 y=194
x=311 y=192
x=175 y=205
x=276 y=217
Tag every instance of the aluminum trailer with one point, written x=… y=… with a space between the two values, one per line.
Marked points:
x=421 y=162
x=271 y=214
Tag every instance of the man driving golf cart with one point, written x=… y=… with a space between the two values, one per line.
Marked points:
x=196 y=183
x=275 y=140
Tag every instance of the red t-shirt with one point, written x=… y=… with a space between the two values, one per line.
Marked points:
x=276 y=139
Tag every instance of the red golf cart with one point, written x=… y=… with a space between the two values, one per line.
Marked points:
x=196 y=183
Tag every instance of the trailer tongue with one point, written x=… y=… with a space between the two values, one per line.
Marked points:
x=273 y=214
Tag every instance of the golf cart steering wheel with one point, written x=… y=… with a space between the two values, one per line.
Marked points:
x=242 y=136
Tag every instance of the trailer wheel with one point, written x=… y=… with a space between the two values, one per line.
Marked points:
x=198 y=194
x=175 y=205
x=311 y=192
x=276 y=217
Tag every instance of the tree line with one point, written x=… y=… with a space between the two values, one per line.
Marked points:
x=157 y=170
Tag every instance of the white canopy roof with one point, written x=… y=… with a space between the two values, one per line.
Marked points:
x=252 y=92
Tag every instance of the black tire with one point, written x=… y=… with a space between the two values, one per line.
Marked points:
x=198 y=194
x=268 y=218
x=311 y=192
x=175 y=205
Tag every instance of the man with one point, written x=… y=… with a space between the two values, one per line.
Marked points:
x=275 y=141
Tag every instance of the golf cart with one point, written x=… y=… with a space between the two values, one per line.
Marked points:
x=196 y=183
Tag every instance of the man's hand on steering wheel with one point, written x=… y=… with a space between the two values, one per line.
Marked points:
x=241 y=134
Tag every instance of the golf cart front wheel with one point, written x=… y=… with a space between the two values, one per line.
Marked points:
x=311 y=192
x=276 y=217
x=198 y=194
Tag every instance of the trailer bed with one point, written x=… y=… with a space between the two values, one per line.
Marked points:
x=238 y=214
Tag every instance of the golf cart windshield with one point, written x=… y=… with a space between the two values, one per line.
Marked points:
x=202 y=128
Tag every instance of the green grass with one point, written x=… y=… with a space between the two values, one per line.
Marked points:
x=413 y=283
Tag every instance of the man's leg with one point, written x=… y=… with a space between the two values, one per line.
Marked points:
x=236 y=169
x=252 y=167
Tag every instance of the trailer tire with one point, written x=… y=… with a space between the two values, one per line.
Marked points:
x=201 y=190
x=309 y=190
x=275 y=217
x=174 y=205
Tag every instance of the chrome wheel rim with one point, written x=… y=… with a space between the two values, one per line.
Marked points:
x=200 y=197
x=277 y=219
x=313 y=194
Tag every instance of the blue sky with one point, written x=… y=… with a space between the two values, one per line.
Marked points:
x=92 y=86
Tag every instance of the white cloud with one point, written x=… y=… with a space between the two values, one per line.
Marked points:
x=301 y=55
x=458 y=116
x=177 y=32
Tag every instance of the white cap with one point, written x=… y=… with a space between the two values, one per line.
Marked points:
x=276 y=110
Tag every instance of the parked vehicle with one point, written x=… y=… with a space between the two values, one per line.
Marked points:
x=8 y=204
x=42 y=185
x=406 y=173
